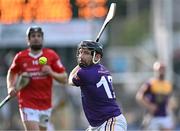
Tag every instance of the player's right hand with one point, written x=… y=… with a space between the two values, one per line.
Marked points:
x=152 y=108
x=12 y=92
x=47 y=70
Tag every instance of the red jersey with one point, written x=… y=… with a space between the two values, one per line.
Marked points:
x=38 y=93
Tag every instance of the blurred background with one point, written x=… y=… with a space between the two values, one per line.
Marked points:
x=141 y=32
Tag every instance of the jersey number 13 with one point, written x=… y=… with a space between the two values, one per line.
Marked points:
x=105 y=82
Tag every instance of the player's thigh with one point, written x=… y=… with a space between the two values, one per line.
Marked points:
x=30 y=118
x=41 y=128
x=31 y=125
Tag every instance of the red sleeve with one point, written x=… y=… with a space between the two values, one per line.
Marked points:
x=15 y=67
x=57 y=64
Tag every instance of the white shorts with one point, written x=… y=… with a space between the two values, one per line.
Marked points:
x=113 y=124
x=160 y=122
x=41 y=116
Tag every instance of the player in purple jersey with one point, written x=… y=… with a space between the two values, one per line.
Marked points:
x=154 y=95
x=98 y=97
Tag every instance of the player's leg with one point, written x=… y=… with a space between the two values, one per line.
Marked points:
x=30 y=118
x=41 y=128
x=44 y=119
x=30 y=125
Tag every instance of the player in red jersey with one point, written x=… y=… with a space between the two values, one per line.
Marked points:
x=155 y=95
x=35 y=99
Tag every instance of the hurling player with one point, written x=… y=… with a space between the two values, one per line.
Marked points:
x=154 y=95
x=98 y=96
x=35 y=99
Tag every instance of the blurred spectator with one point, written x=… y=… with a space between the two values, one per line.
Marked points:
x=154 y=95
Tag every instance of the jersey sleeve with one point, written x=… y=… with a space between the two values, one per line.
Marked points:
x=79 y=78
x=15 y=66
x=57 y=65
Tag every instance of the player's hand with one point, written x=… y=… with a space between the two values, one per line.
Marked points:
x=25 y=74
x=152 y=108
x=12 y=91
x=47 y=70
x=73 y=74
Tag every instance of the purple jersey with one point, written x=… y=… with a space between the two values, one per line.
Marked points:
x=98 y=97
x=158 y=93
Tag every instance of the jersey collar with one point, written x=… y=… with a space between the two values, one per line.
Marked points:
x=35 y=56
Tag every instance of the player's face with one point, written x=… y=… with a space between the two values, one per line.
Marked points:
x=35 y=41
x=84 y=57
x=160 y=72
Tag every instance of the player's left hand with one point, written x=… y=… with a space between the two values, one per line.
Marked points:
x=12 y=91
x=47 y=70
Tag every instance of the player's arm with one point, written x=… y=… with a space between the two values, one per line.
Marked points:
x=11 y=78
x=172 y=103
x=143 y=100
x=72 y=74
x=59 y=77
